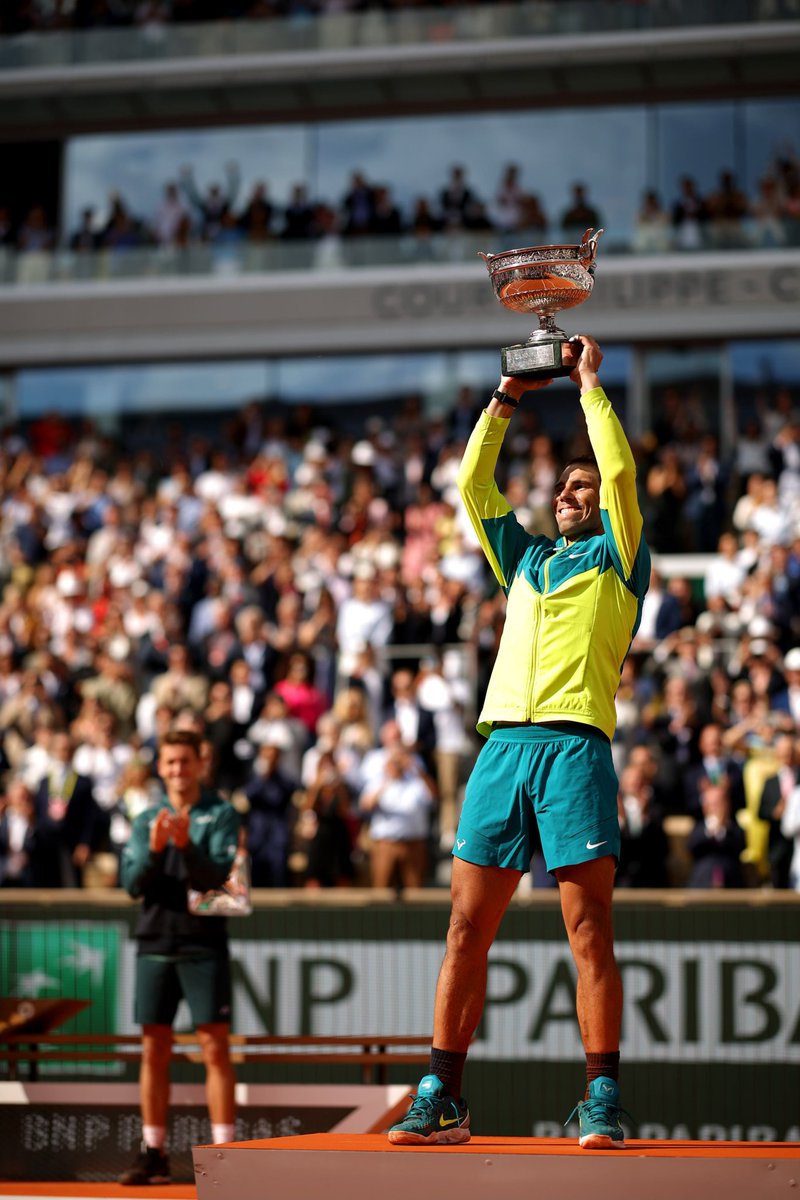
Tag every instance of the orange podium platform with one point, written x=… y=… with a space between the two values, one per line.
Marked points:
x=366 y=1166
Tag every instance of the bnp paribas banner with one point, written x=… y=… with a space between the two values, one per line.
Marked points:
x=711 y=1028
x=699 y=1002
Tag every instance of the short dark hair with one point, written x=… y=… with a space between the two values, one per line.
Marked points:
x=583 y=460
x=181 y=737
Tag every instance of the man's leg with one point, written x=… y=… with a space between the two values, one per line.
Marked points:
x=220 y=1080
x=586 y=892
x=154 y=1075
x=151 y=1165
x=480 y=897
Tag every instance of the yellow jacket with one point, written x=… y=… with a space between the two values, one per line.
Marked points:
x=572 y=609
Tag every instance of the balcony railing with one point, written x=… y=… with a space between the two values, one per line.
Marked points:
x=375 y=28
x=338 y=253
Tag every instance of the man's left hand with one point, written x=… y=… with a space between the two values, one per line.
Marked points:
x=180 y=830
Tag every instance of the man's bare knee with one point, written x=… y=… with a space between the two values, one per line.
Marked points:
x=592 y=940
x=156 y=1045
x=466 y=936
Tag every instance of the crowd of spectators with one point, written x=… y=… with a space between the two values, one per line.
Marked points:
x=231 y=229
x=724 y=218
x=214 y=217
x=315 y=606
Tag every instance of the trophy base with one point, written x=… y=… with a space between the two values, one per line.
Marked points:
x=541 y=359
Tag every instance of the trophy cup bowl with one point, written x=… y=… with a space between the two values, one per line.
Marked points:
x=543 y=280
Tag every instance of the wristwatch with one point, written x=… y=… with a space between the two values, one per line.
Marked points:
x=504 y=398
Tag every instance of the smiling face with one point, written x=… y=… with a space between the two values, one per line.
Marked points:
x=576 y=502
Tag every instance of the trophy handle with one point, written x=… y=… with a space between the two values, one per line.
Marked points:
x=588 y=246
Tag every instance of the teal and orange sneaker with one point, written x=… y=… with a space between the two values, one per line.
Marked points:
x=433 y=1118
x=599 y=1117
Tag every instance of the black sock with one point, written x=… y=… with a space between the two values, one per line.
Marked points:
x=449 y=1066
x=606 y=1064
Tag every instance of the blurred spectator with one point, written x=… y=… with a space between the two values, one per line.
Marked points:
x=706 y=488
x=768 y=214
x=509 y=208
x=113 y=688
x=171 y=218
x=672 y=725
x=363 y=617
x=644 y=847
x=303 y=699
x=457 y=199
x=102 y=756
x=298 y=217
x=178 y=687
x=358 y=206
x=269 y=818
x=788 y=699
x=666 y=489
x=727 y=207
x=652 y=234
x=770 y=519
x=534 y=216
x=424 y=223
x=68 y=821
x=18 y=839
x=752 y=451
x=715 y=766
x=790 y=828
x=772 y=806
x=258 y=215
x=35 y=234
x=122 y=231
x=278 y=727
x=386 y=218
x=398 y=805
x=632 y=694
x=443 y=691
x=725 y=574
x=716 y=842
x=223 y=733
x=690 y=216
x=85 y=239
x=416 y=724
x=580 y=215
x=753 y=722
x=661 y=615
x=216 y=205
x=327 y=827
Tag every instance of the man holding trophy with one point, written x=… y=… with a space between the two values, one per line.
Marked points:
x=574 y=605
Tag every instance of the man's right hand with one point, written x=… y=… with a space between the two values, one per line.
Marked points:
x=591 y=356
x=160 y=831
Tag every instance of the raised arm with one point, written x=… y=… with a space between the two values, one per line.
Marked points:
x=619 y=502
x=500 y=534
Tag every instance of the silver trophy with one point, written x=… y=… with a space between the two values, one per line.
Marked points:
x=543 y=280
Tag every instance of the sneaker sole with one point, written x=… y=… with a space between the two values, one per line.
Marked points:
x=447 y=1137
x=599 y=1141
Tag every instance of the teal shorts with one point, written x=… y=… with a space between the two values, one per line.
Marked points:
x=163 y=981
x=564 y=781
